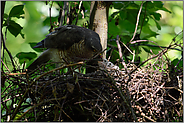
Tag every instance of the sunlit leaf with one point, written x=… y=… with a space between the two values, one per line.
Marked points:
x=26 y=55
x=16 y=11
x=14 y=28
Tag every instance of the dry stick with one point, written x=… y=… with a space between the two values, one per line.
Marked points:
x=147 y=117
x=177 y=35
x=65 y=113
x=38 y=105
x=144 y=17
x=21 y=101
x=70 y=65
x=164 y=51
x=50 y=14
x=137 y=22
x=110 y=55
x=4 y=46
x=63 y=12
x=122 y=96
x=120 y=53
x=78 y=12
x=5 y=66
x=145 y=111
x=126 y=70
x=127 y=48
x=51 y=27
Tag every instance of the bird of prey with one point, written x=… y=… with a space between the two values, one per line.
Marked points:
x=69 y=43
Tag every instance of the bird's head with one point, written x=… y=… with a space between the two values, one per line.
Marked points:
x=93 y=42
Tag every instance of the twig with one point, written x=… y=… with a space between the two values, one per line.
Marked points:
x=120 y=53
x=5 y=66
x=142 y=114
x=152 y=57
x=69 y=65
x=51 y=27
x=127 y=48
x=38 y=105
x=63 y=12
x=78 y=12
x=4 y=46
x=137 y=22
x=122 y=96
x=25 y=94
x=144 y=17
x=177 y=35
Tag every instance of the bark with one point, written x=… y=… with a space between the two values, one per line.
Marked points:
x=98 y=21
x=2 y=12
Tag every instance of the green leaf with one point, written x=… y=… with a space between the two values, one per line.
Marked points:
x=148 y=4
x=146 y=49
x=24 y=56
x=16 y=11
x=47 y=20
x=164 y=9
x=147 y=32
x=59 y=3
x=127 y=25
x=158 y=25
x=86 y=5
x=5 y=16
x=113 y=29
x=36 y=49
x=22 y=35
x=132 y=15
x=177 y=62
x=123 y=14
x=157 y=16
x=14 y=28
x=114 y=14
x=133 y=6
x=5 y=23
x=118 y=5
x=138 y=2
x=158 y=4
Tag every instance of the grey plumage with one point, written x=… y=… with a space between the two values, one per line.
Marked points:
x=71 y=42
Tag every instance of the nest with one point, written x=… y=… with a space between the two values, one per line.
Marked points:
x=110 y=94
x=152 y=92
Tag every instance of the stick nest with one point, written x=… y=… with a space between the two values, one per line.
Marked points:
x=149 y=93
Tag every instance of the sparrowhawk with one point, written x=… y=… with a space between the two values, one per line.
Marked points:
x=69 y=43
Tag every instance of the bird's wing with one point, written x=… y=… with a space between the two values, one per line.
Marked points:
x=43 y=58
x=63 y=37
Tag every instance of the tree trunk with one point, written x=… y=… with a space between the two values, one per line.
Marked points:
x=98 y=21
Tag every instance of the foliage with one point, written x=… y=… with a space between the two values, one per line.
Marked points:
x=31 y=20
x=122 y=20
x=12 y=26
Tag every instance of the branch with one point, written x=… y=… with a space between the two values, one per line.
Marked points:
x=137 y=22
x=65 y=7
x=4 y=46
x=78 y=12
x=2 y=12
x=120 y=53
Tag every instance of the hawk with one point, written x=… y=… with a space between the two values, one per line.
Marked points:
x=69 y=43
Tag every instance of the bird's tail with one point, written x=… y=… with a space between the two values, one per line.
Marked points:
x=43 y=58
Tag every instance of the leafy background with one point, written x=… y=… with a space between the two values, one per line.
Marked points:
x=160 y=26
x=28 y=22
